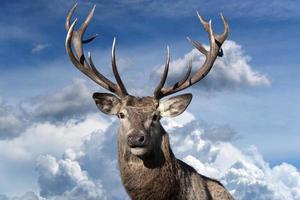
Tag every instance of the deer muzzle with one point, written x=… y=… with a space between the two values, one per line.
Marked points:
x=136 y=140
x=137 y=143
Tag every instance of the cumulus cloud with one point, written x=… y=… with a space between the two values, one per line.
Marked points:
x=18 y=155
x=79 y=155
x=55 y=177
x=64 y=179
x=72 y=101
x=245 y=173
x=96 y=158
x=231 y=71
x=80 y=162
x=29 y=130
x=44 y=137
x=85 y=190
x=26 y=196
x=12 y=122
x=100 y=152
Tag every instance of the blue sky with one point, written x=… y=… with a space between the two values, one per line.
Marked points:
x=34 y=66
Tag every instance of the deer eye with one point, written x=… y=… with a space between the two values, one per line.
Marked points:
x=121 y=115
x=155 y=117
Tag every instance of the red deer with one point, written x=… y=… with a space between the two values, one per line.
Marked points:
x=149 y=170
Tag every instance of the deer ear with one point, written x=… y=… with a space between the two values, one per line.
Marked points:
x=175 y=105
x=107 y=103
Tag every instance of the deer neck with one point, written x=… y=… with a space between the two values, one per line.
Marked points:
x=149 y=178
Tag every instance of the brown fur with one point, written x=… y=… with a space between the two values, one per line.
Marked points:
x=161 y=176
x=149 y=179
x=153 y=172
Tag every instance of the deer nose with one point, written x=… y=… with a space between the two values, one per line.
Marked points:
x=136 y=140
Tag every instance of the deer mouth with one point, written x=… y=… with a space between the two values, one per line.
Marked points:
x=137 y=144
x=139 y=150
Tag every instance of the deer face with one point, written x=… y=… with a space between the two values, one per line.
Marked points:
x=140 y=128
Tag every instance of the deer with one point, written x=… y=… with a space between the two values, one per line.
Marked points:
x=148 y=168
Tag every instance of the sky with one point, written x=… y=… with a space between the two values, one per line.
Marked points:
x=247 y=105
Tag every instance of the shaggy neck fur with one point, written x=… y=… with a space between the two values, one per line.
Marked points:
x=152 y=177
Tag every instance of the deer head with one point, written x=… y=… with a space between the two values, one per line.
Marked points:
x=140 y=129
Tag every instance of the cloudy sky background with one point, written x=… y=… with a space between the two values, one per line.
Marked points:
x=54 y=143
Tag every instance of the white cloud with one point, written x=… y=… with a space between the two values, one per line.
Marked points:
x=47 y=137
x=87 y=146
x=26 y=196
x=95 y=163
x=97 y=159
x=287 y=179
x=231 y=71
x=88 y=166
x=64 y=179
x=38 y=48
x=72 y=101
x=55 y=177
x=11 y=121
x=18 y=155
x=47 y=124
x=245 y=173
x=85 y=190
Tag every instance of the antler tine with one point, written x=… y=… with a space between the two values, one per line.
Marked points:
x=85 y=24
x=185 y=78
x=78 y=59
x=87 y=21
x=115 y=69
x=89 y=39
x=187 y=75
x=198 y=46
x=221 y=38
x=78 y=35
x=68 y=46
x=157 y=91
x=215 y=50
x=203 y=22
x=93 y=67
x=70 y=14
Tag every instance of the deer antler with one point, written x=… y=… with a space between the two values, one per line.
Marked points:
x=215 y=50
x=87 y=67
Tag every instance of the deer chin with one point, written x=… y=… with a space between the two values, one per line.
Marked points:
x=139 y=151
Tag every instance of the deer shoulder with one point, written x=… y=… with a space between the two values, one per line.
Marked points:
x=197 y=186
